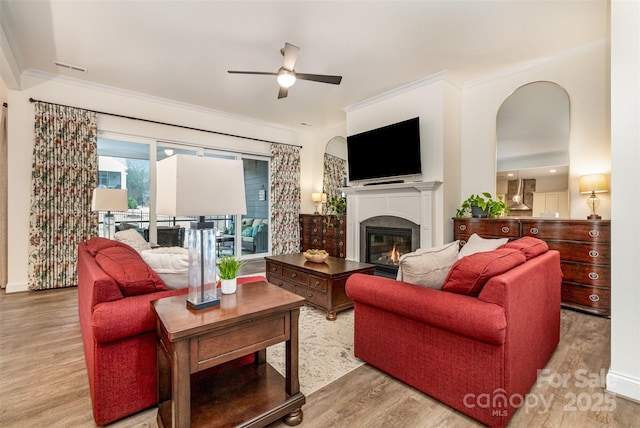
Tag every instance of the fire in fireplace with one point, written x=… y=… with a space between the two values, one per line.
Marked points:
x=385 y=245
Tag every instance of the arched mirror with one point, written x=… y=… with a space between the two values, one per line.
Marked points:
x=533 y=151
x=335 y=167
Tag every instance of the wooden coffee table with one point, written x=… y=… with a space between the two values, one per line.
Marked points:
x=322 y=284
x=258 y=315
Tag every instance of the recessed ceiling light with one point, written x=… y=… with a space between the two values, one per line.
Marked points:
x=510 y=174
x=552 y=171
x=70 y=67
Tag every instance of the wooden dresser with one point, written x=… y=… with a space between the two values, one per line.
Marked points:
x=324 y=232
x=585 y=253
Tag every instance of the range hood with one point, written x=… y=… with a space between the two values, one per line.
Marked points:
x=518 y=198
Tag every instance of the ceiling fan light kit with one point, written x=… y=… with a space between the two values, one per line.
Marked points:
x=286 y=76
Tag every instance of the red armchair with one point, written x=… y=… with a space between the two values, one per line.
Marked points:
x=119 y=338
x=459 y=349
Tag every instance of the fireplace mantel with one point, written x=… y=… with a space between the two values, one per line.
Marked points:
x=413 y=201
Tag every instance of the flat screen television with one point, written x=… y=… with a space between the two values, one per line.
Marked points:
x=390 y=151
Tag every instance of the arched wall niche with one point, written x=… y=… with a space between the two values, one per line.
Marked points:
x=532 y=150
x=334 y=163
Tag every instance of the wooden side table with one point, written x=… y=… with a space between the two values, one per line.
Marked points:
x=322 y=284
x=191 y=342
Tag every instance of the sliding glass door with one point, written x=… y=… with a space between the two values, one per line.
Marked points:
x=131 y=165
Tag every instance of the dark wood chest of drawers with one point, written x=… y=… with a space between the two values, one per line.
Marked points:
x=322 y=284
x=585 y=253
x=325 y=232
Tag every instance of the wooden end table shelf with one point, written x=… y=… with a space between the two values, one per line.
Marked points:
x=190 y=343
x=321 y=284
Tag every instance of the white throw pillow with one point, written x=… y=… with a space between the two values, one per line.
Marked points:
x=476 y=244
x=132 y=238
x=428 y=267
x=171 y=264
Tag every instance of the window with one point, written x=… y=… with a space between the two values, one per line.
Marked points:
x=127 y=164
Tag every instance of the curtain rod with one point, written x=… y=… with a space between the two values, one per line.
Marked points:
x=31 y=100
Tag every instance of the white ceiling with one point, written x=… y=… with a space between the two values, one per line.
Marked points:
x=181 y=49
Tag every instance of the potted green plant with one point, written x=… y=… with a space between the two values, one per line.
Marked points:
x=483 y=205
x=337 y=206
x=228 y=267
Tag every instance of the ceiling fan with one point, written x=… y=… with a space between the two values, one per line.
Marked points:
x=287 y=75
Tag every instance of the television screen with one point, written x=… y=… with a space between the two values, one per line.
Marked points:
x=390 y=151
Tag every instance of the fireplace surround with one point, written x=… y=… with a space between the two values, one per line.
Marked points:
x=409 y=205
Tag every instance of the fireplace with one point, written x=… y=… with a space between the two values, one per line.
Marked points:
x=385 y=239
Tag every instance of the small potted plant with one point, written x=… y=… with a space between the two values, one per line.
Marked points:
x=336 y=207
x=228 y=267
x=483 y=205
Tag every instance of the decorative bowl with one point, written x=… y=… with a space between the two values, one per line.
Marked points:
x=316 y=257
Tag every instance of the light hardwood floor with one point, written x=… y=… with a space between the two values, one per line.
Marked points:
x=43 y=380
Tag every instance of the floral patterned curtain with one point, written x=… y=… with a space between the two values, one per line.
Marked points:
x=63 y=176
x=334 y=172
x=285 y=198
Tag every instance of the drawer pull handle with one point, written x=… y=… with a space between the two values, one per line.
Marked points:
x=534 y=230
x=309 y=295
x=462 y=242
x=594 y=253
x=593 y=275
x=594 y=297
x=505 y=229
x=594 y=233
x=317 y=283
x=293 y=275
x=273 y=268
x=463 y=227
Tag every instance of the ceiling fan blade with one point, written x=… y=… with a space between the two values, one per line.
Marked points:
x=252 y=72
x=323 y=78
x=290 y=56
x=283 y=92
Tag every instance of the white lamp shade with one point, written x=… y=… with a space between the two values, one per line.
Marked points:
x=594 y=183
x=200 y=186
x=316 y=197
x=109 y=200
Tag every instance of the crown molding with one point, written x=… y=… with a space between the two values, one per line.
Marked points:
x=438 y=77
x=534 y=63
x=150 y=98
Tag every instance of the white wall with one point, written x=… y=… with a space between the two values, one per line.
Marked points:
x=623 y=377
x=583 y=73
x=65 y=91
x=436 y=102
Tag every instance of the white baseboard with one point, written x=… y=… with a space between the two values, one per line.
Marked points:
x=16 y=287
x=623 y=386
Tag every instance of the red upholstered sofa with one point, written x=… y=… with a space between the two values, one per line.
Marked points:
x=479 y=355
x=119 y=332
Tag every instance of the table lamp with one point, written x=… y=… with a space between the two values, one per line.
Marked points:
x=319 y=199
x=198 y=186
x=593 y=183
x=109 y=200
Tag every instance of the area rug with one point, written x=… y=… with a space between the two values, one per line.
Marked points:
x=325 y=349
